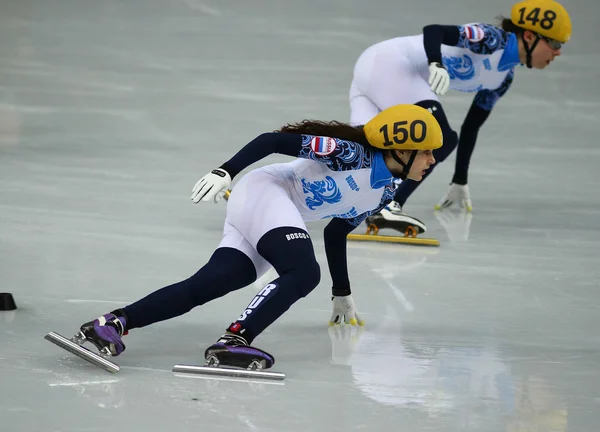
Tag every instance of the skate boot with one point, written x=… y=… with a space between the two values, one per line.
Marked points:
x=392 y=216
x=232 y=350
x=105 y=333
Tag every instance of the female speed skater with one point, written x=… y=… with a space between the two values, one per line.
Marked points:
x=479 y=58
x=341 y=171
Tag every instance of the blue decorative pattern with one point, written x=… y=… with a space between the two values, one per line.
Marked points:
x=486 y=99
x=321 y=191
x=494 y=39
x=349 y=214
x=386 y=198
x=459 y=67
x=347 y=155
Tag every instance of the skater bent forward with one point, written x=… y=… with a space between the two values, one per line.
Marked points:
x=341 y=172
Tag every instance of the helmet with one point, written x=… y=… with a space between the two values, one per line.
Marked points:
x=545 y=17
x=404 y=127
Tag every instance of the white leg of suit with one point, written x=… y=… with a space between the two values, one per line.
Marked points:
x=257 y=205
x=385 y=75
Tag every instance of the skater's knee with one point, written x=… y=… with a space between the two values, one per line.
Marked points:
x=290 y=251
x=435 y=108
x=222 y=262
x=312 y=277
x=450 y=142
x=306 y=277
x=227 y=270
x=450 y=136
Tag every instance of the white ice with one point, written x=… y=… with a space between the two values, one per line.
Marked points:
x=110 y=111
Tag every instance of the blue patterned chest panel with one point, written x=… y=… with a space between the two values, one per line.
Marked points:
x=460 y=67
x=386 y=198
x=320 y=192
x=486 y=38
x=339 y=155
x=486 y=99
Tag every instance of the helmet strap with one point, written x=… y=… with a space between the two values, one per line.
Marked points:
x=405 y=166
x=528 y=49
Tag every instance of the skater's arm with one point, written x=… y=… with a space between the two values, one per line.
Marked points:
x=478 y=38
x=466 y=142
x=480 y=110
x=335 y=247
x=333 y=152
x=261 y=147
x=434 y=36
x=334 y=235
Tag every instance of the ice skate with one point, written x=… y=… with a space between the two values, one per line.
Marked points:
x=392 y=217
x=233 y=351
x=231 y=356
x=104 y=333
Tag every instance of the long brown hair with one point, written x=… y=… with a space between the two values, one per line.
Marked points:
x=333 y=129
x=507 y=25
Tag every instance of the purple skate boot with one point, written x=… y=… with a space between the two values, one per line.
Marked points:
x=232 y=350
x=105 y=333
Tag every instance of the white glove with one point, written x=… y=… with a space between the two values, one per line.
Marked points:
x=457 y=194
x=439 y=80
x=212 y=186
x=344 y=308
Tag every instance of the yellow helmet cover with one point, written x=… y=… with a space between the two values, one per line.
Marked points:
x=404 y=127
x=545 y=17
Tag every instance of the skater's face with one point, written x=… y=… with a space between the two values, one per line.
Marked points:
x=544 y=53
x=422 y=162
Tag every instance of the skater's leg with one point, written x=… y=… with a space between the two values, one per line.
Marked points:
x=290 y=252
x=407 y=187
x=274 y=226
x=384 y=77
x=393 y=216
x=362 y=109
x=234 y=265
x=295 y=262
x=216 y=279
x=212 y=281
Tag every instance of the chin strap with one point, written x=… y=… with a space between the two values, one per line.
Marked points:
x=529 y=50
x=405 y=166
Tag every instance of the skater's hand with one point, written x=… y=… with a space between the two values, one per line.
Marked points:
x=213 y=185
x=439 y=79
x=457 y=194
x=345 y=309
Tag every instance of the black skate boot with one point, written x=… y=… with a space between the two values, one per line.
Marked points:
x=392 y=216
x=105 y=333
x=232 y=350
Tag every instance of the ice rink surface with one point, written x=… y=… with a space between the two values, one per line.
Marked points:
x=109 y=113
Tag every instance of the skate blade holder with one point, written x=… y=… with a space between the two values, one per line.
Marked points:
x=74 y=347
x=410 y=237
x=214 y=369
